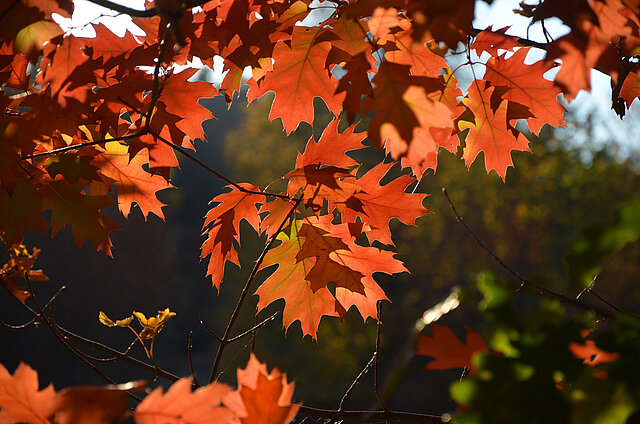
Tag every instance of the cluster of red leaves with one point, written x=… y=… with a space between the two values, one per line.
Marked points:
x=316 y=250
x=84 y=123
x=261 y=398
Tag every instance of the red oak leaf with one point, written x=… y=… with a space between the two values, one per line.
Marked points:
x=299 y=75
x=382 y=21
x=332 y=147
x=296 y=258
x=402 y=49
x=378 y=204
x=527 y=86
x=591 y=354
x=181 y=99
x=356 y=84
x=490 y=41
x=408 y=120
x=108 y=45
x=329 y=264
x=630 y=88
x=181 y=406
x=289 y=282
x=318 y=183
x=93 y=405
x=365 y=259
x=489 y=132
x=134 y=184
x=262 y=397
x=444 y=20
x=448 y=351
x=592 y=46
x=351 y=37
x=277 y=211
x=69 y=205
x=222 y=226
x=68 y=71
x=20 y=400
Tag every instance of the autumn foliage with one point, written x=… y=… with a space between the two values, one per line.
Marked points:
x=92 y=122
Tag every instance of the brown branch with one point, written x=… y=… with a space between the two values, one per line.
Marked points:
x=234 y=316
x=157 y=89
x=79 y=146
x=370 y=415
x=523 y=281
x=19 y=326
x=253 y=329
x=8 y=9
x=53 y=327
x=376 y=356
x=137 y=13
x=356 y=381
x=189 y=349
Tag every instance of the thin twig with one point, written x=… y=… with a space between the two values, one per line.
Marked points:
x=523 y=281
x=253 y=329
x=19 y=326
x=137 y=13
x=376 y=357
x=209 y=330
x=609 y=304
x=193 y=371
x=245 y=291
x=157 y=89
x=121 y=356
x=87 y=144
x=50 y=323
x=356 y=381
x=370 y=415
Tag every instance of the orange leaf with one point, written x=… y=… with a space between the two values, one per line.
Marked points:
x=20 y=400
x=93 y=405
x=299 y=75
x=262 y=397
x=134 y=184
x=378 y=204
x=289 y=282
x=526 y=85
x=489 y=132
x=448 y=351
x=630 y=88
x=409 y=121
x=181 y=98
x=332 y=147
x=222 y=225
x=490 y=41
x=314 y=253
x=402 y=49
x=180 y=406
